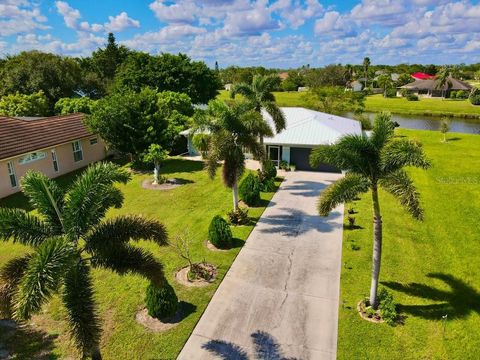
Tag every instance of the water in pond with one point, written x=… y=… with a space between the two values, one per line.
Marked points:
x=460 y=125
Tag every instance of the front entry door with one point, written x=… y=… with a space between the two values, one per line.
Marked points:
x=274 y=154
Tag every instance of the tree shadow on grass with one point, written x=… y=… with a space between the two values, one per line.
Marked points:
x=266 y=347
x=460 y=301
x=25 y=342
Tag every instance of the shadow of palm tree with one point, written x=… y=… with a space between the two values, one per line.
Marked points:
x=295 y=222
x=25 y=342
x=305 y=188
x=266 y=347
x=458 y=302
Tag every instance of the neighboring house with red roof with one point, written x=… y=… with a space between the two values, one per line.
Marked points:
x=53 y=145
x=422 y=76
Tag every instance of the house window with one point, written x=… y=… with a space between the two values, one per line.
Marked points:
x=54 y=161
x=77 y=151
x=93 y=141
x=39 y=155
x=11 y=174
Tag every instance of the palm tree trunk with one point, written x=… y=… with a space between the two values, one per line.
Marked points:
x=156 y=171
x=265 y=157
x=235 y=195
x=377 y=247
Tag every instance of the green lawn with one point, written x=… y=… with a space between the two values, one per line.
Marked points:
x=446 y=245
x=376 y=103
x=189 y=207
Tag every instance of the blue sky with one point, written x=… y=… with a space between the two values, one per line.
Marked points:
x=274 y=33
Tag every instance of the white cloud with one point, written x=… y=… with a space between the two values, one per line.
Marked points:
x=19 y=17
x=120 y=22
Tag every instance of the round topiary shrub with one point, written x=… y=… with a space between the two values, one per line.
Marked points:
x=219 y=233
x=249 y=190
x=161 y=302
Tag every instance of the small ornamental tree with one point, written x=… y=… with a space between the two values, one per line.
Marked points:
x=201 y=143
x=249 y=190
x=219 y=232
x=155 y=155
x=444 y=129
x=161 y=302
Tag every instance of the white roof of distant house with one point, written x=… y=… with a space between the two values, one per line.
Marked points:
x=309 y=128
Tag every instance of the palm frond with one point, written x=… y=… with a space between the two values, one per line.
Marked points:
x=22 y=227
x=124 y=258
x=46 y=197
x=122 y=229
x=81 y=310
x=10 y=276
x=243 y=89
x=400 y=153
x=383 y=129
x=343 y=190
x=90 y=197
x=252 y=122
x=42 y=276
x=277 y=115
x=401 y=186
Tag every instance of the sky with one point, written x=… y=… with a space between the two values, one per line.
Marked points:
x=271 y=33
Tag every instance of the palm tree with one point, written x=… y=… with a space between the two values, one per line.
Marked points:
x=233 y=130
x=68 y=237
x=443 y=78
x=372 y=162
x=259 y=95
x=385 y=81
x=366 y=65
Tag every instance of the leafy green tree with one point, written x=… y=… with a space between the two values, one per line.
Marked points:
x=259 y=95
x=372 y=162
x=68 y=238
x=444 y=129
x=330 y=75
x=17 y=104
x=335 y=100
x=130 y=122
x=168 y=72
x=403 y=79
x=233 y=130
x=201 y=143
x=74 y=105
x=294 y=80
x=385 y=81
x=33 y=71
x=155 y=154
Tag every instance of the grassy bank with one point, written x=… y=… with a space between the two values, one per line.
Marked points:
x=186 y=208
x=376 y=103
x=431 y=266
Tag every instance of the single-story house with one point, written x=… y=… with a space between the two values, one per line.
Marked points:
x=53 y=145
x=228 y=87
x=432 y=88
x=355 y=86
x=305 y=129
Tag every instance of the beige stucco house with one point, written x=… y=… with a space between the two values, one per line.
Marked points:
x=53 y=145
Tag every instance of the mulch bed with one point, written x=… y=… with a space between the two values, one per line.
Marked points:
x=157 y=325
x=147 y=184
x=212 y=247
x=363 y=314
x=182 y=276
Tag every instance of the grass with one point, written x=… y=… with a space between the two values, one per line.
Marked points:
x=439 y=255
x=186 y=208
x=376 y=103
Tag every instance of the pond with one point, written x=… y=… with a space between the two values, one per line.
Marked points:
x=460 y=125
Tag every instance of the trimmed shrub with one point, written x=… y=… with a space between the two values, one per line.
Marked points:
x=392 y=92
x=461 y=94
x=219 y=233
x=161 y=302
x=269 y=170
x=387 y=307
x=412 y=97
x=249 y=190
x=268 y=185
x=475 y=97
x=238 y=217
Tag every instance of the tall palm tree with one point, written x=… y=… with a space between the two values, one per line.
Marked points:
x=366 y=66
x=68 y=237
x=443 y=78
x=259 y=95
x=385 y=81
x=372 y=162
x=233 y=130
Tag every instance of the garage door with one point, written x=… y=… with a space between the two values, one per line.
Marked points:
x=301 y=158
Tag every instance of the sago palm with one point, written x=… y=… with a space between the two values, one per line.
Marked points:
x=259 y=95
x=68 y=236
x=233 y=130
x=371 y=162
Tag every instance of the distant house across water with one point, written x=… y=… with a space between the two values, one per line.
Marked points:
x=433 y=88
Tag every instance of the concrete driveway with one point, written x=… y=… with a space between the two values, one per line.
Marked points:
x=280 y=298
